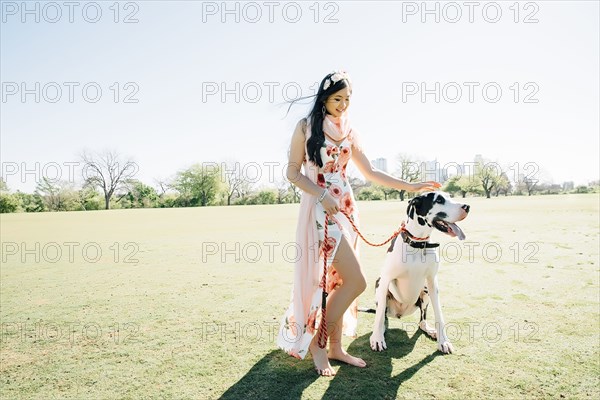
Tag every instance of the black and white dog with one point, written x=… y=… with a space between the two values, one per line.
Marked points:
x=409 y=275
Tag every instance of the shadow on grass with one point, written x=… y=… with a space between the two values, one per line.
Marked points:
x=376 y=381
x=277 y=375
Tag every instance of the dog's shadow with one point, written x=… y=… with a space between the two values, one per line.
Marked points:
x=277 y=375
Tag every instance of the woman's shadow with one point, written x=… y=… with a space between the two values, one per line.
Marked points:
x=277 y=375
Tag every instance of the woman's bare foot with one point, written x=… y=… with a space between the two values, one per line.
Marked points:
x=341 y=355
x=320 y=359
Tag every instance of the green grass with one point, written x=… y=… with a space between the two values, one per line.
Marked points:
x=524 y=324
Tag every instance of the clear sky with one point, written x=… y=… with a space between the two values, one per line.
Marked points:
x=180 y=56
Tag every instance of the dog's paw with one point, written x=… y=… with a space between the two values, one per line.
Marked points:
x=428 y=330
x=377 y=342
x=445 y=347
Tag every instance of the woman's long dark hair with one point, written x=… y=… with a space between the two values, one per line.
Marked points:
x=316 y=117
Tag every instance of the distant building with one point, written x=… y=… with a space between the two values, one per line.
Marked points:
x=380 y=163
x=568 y=186
x=435 y=171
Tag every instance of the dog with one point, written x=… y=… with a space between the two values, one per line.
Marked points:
x=409 y=275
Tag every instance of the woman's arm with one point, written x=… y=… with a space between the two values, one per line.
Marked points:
x=375 y=175
x=295 y=176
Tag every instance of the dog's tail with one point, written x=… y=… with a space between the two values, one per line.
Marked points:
x=367 y=310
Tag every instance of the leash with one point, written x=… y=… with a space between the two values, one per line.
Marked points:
x=322 y=339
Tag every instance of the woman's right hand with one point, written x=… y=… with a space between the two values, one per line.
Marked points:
x=330 y=204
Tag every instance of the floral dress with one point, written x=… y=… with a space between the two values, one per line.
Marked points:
x=332 y=176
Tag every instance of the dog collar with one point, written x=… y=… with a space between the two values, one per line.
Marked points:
x=415 y=242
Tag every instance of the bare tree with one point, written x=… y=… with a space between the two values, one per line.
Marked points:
x=57 y=196
x=356 y=183
x=407 y=169
x=294 y=191
x=244 y=189
x=163 y=186
x=108 y=172
x=530 y=185
x=283 y=191
x=234 y=180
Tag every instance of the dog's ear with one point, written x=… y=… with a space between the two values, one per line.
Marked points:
x=412 y=204
x=410 y=211
x=422 y=204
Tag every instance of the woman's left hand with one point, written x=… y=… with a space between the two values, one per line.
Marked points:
x=425 y=186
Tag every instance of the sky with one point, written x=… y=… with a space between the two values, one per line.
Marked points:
x=171 y=84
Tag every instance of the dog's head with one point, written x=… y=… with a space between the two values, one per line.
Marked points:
x=437 y=210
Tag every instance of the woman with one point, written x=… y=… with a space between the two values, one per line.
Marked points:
x=324 y=143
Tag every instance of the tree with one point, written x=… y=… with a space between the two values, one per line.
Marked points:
x=530 y=185
x=527 y=184
x=283 y=191
x=469 y=184
x=8 y=203
x=386 y=191
x=408 y=170
x=30 y=202
x=235 y=182
x=198 y=185
x=3 y=186
x=502 y=185
x=88 y=199
x=356 y=184
x=141 y=195
x=294 y=192
x=165 y=199
x=59 y=196
x=489 y=175
x=452 y=185
x=108 y=172
x=550 y=188
x=370 y=193
x=582 y=189
x=163 y=186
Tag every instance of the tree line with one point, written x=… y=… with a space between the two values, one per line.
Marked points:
x=109 y=182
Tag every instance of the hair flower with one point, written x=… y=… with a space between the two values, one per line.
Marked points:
x=335 y=77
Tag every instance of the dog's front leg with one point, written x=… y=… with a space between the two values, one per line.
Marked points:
x=443 y=344
x=377 y=339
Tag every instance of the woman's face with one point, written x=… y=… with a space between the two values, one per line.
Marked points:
x=338 y=102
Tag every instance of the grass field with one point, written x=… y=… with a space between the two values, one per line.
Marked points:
x=185 y=303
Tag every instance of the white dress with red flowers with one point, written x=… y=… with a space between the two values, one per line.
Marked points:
x=331 y=176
